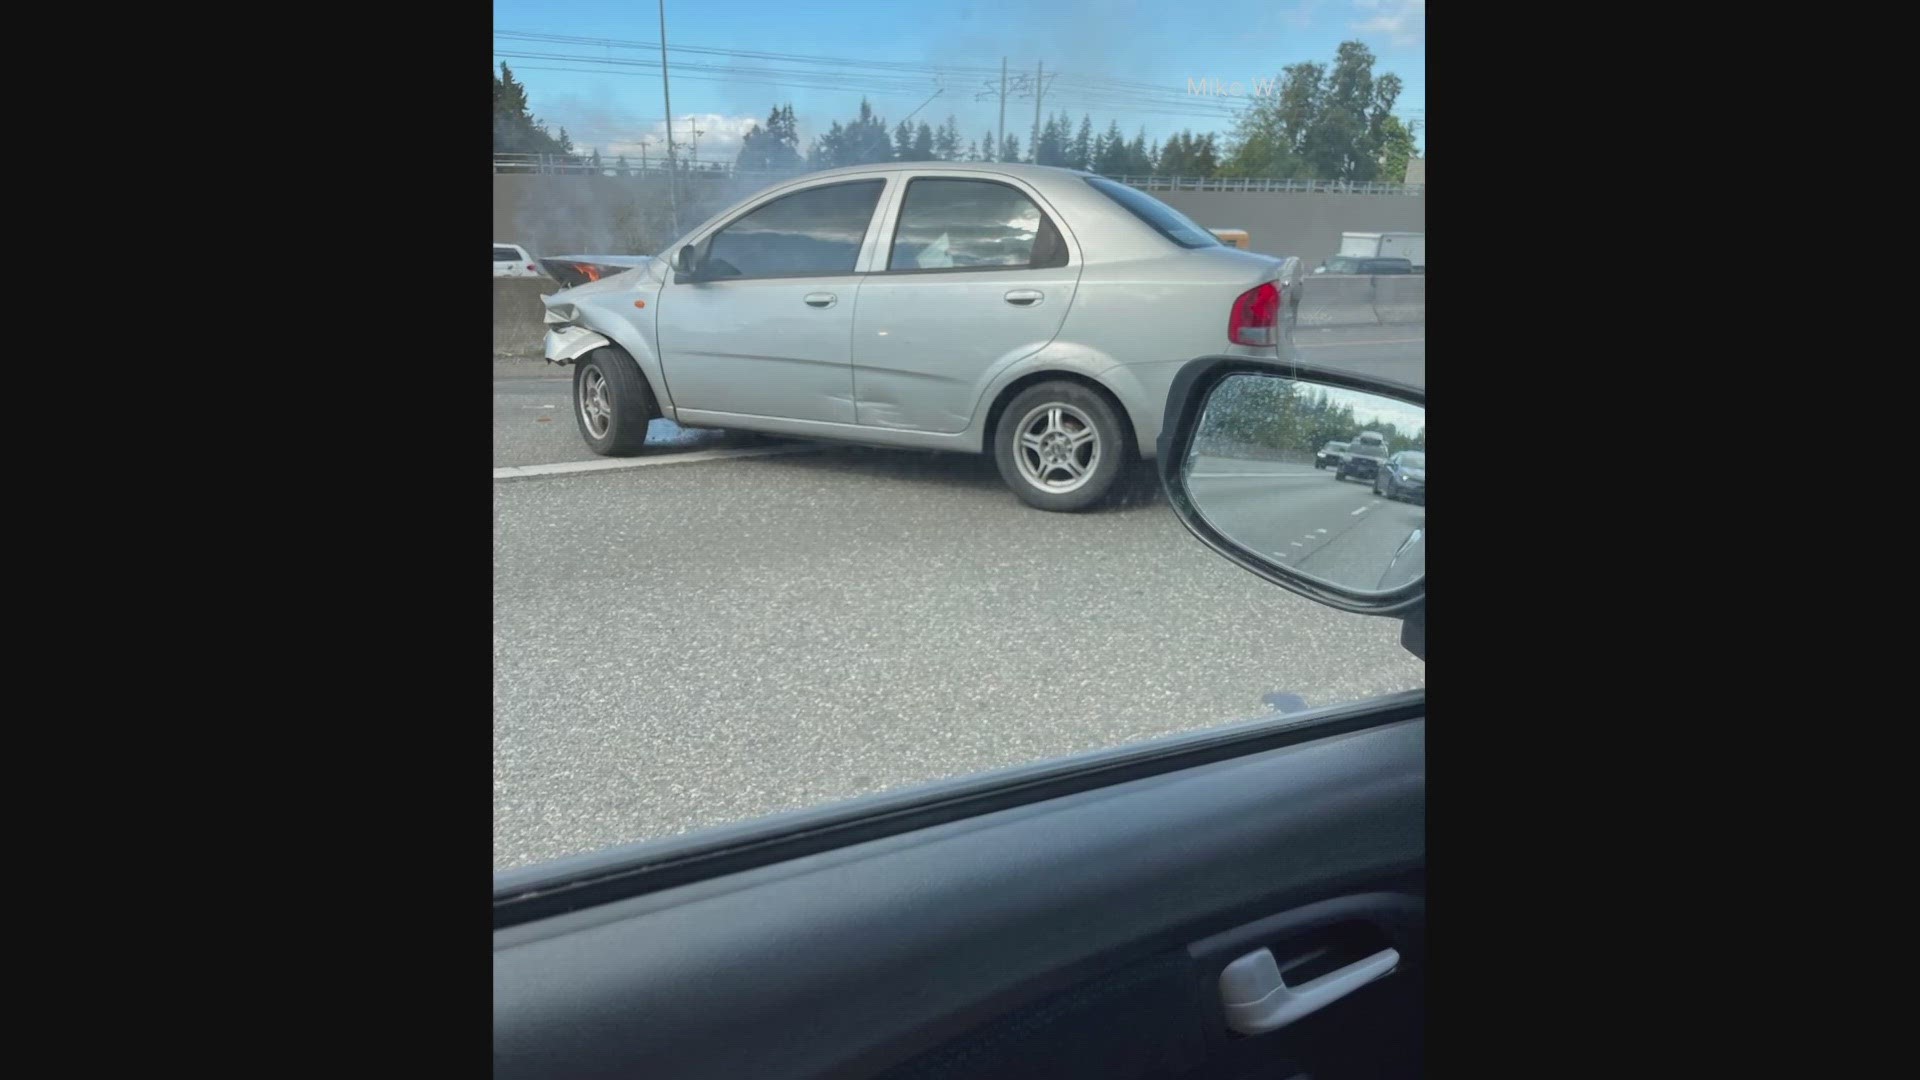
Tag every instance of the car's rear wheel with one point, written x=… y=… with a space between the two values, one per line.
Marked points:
x=612 y=404
x=1060 y=446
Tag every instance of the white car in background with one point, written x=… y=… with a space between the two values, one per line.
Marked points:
x=512 y=260
x=1035 y=314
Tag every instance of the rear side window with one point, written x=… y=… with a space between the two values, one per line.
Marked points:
x=506 y=254
x=811 y=232
x=948 y=224
x=1165 y=220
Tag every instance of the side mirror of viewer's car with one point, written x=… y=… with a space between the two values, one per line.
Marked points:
x=1236 y=455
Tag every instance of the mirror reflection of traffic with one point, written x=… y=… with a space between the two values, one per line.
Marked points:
x=1246 y=473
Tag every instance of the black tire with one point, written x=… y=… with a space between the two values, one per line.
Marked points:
x=628 y=399
x=1113 y=441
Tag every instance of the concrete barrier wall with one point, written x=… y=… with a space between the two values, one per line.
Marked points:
x=1306 y=226
x=605 y=215
x=1398 y=299
x=518 y=315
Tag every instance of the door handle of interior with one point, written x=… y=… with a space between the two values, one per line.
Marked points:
x=1024 y=297
x=1257 y=1001
x=821 y=299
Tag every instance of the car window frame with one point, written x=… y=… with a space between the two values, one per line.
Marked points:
x=883 y=254
x=702 y=244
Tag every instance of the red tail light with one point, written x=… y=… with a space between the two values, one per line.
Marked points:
x=530 y=266
x=1256 y=316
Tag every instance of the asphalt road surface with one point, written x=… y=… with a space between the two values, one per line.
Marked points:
x=708 y=638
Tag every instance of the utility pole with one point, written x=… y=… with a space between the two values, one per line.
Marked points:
x=1001 y=147
x=673 y=201
x=1039 y=85
x=696 y=132
x=643 y=154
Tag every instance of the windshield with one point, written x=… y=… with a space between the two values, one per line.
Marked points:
x=1165 y=220
x=866 y=495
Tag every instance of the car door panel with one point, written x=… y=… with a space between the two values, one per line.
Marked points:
x=915 y=950
x=759 y=348
x=929 y=331
x=773 y=336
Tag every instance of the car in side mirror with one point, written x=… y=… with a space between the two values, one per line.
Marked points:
x=1237 y=453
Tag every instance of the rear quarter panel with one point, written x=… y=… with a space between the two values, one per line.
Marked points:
x=1144 y=318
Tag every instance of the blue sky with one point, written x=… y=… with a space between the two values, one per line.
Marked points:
x=1115 y=59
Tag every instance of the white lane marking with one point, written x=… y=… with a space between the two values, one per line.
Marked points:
x=1358 y=512
x=1296 y=543
x=1343 y=344
x=539 y=406
x=513 y=472
x=1320 y=530
x=1223 y=475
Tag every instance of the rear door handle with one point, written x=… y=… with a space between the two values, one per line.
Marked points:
x=821 y=299
x=1258 y=1001
x=1024 y=297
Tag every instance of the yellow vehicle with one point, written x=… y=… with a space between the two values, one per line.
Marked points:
x=1232 y=237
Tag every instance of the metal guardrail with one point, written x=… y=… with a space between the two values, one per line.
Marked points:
x=564 y=165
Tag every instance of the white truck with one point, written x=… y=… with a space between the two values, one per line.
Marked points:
x=1411 y=246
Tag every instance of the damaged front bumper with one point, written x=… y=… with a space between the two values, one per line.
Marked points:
x=565 y=344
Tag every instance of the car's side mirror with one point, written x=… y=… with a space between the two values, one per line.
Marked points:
x=688 y=263
x=1236 y=449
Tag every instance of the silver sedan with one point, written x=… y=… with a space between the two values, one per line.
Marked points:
x=1035 y=314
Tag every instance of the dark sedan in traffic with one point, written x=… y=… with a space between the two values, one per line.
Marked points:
x=1330 y=454
x=1404 y=476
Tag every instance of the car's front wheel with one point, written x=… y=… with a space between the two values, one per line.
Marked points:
x=1060 y=446
x=612 y=404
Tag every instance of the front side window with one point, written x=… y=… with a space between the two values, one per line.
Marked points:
x=963 y=224
x=808 y=233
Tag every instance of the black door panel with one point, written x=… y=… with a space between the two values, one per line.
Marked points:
x=895 y=952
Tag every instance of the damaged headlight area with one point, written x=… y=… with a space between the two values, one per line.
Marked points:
x=560 y=313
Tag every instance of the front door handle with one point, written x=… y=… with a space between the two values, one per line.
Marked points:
x=821 y=299
x=1257 y=1001
x=1024 y=297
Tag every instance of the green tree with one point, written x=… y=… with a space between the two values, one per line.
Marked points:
x=861 y=142
x=1137 y=161
x=1110 y=154
x=1266 y=139
x=1396 y=147
x=515 y=129
x=1083 y=144
x=903 y=142
x=923 y=143
x=773 y=145
x=1010 y=149
x=946 y=143
x=1344 y=140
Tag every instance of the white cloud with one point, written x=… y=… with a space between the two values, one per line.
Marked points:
x=1401 y=22
x=600 y=128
